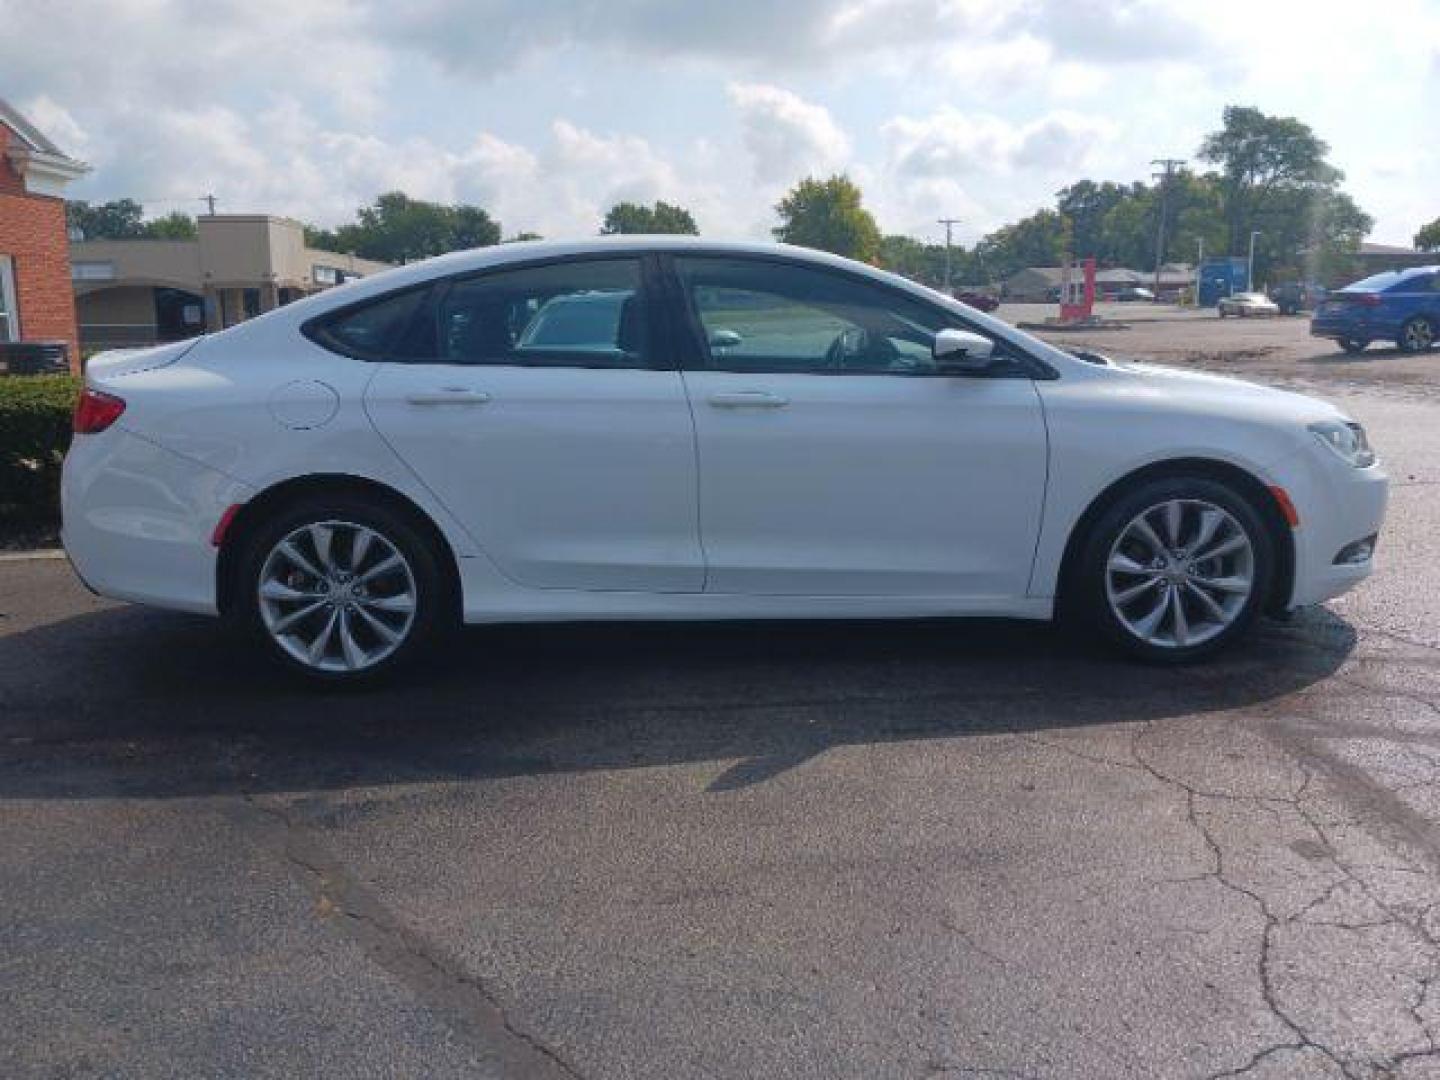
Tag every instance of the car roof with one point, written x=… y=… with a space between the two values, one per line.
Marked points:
x=520 y=252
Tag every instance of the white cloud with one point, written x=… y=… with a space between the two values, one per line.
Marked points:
x=787 y=137
x=949 y=142
x=542 y=111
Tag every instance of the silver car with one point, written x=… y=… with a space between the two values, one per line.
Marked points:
x=1247 y=304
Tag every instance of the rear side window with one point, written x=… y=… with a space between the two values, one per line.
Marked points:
x=588 y=313
x=387 y=328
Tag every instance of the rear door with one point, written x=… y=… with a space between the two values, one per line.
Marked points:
x=543 y=410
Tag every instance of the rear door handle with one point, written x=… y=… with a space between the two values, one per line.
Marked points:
x=748 y=399
x=450 y=395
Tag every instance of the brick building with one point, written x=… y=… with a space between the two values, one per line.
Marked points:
x=36 y=300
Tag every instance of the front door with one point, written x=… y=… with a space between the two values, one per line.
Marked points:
x=835 y=459
x=542 y=416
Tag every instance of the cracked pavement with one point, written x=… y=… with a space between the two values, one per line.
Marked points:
x=831 y=850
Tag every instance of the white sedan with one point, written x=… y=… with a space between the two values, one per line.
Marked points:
x=647 y=428
x=1248 y=304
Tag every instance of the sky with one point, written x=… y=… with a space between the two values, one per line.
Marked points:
x=546 y=112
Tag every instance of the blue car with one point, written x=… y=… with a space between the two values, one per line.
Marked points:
x=1402 y=306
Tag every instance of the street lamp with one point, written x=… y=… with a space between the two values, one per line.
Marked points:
x=1250 y=265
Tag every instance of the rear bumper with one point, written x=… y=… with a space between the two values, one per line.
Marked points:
x=1353 y=329
x=138 y=520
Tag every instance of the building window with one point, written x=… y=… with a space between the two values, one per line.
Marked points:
x=9 y=314
x=92 y=271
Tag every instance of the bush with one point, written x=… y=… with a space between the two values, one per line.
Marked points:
x=34 y=435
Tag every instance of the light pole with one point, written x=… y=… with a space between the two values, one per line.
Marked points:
x=948 y=222
x=1250 y=263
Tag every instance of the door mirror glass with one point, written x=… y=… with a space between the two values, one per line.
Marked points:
x=962 y=351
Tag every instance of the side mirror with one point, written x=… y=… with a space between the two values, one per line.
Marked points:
x=961 y=352
x=725 y=339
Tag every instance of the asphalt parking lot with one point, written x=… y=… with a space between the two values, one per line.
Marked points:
x=832 y=850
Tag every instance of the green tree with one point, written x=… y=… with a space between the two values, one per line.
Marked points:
x=397 y=228
x=173 y=226
x=828 y=215
x=120 y=219
x=912 y=258
x=628 y=217
x=1038 y=240
x=1270 y=168
x=124 y=219
x=1087 y=205
x=1428 y=238
x=321 y=239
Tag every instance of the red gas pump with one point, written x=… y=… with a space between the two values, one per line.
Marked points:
x=1074 y=313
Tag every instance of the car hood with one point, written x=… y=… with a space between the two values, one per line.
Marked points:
x=1200 y=391
x=117 y=363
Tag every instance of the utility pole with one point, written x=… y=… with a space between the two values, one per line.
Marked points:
x=1169 y=165
x=209 y=200
x=949 y=223
x=1199 y=262
x=1250 y=262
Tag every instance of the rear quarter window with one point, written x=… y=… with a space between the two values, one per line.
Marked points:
x=388 y=326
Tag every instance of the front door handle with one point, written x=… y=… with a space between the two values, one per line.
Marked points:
x=450 y=395
x=748 y=399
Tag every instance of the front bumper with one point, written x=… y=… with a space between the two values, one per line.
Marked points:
x=1338 y=505
x=138 y=520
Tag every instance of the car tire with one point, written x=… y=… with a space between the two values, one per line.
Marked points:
x=1192 y=596
x=1417 y=335
x=1352 y=346
x=343 y=590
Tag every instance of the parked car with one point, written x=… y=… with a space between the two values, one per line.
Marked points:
x=1402 y=306
x=1296 y=296
x=978 y=300
x=1247 y=305
x=723 y=431
x=1134 y=293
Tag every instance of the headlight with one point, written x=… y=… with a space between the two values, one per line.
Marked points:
x=1347 y=439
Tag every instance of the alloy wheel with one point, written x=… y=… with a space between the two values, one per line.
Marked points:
x=1418 y=335
x=337 y=596
x=1180 y=573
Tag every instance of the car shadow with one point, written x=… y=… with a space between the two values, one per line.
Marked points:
x=132 y=703
x=1340 y=358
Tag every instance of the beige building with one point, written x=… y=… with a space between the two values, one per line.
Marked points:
x=138 y=292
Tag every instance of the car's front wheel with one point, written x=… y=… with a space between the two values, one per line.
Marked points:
x=1177 y=569
x=1417 y=335
x=342 y=590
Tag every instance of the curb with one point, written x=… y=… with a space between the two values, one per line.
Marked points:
x=44 y=554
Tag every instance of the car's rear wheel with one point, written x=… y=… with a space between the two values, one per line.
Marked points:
x=1177 y=569
x=1353 y=346
x=1417 y=335
x=342 y=590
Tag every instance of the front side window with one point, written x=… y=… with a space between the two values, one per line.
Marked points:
x=579 y=314
x=780 y=317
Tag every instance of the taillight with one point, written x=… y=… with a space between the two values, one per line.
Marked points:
x=1368 y=299
x=96 y=411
